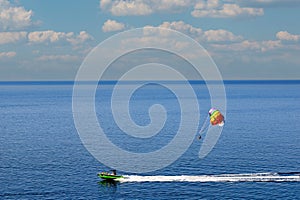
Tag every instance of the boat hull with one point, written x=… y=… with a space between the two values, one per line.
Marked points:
x=109 y=176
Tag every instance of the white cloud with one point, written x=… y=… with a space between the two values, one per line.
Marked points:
x=48 y=36
x=9 y=54
x=171 y=5
x=241 y=46
x=284 y=35
x=246 y=45
x=112 y=25
x=80 y=39
x=64 y=58
x=221 y=36
x=45 y=37
x=201 y=35
x=51 y=36
x=152 y=36
x=14 y=17
x=105 y=3
x=121 y=8
x=217 y=9
x=184 y=28
x=270 y=45
x=143 y=7
x=223 y=40
x=202 y=8
x=12 y=37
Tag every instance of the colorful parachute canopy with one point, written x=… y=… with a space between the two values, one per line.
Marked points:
x=216 y=118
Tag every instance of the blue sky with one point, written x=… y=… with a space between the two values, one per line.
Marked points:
x=49 y=39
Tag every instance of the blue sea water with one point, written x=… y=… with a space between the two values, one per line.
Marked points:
x=42 y=156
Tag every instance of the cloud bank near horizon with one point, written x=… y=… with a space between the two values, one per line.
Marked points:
x=26 y=43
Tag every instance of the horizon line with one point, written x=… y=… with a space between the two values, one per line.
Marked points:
x=110 y=82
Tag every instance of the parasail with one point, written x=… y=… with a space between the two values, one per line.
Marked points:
x=216 y=117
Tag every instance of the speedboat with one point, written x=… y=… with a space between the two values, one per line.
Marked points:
x=110 y=176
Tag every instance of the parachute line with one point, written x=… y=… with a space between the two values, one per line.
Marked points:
x=204 y=127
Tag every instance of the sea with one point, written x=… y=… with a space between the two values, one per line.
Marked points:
x=257 y=155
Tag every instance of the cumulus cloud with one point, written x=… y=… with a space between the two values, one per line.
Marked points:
x=48 y=36
x=12 y=37
x=246 y=45
x=142 y=7
x=270 y=45
x=284 y=35
x=221 y=36
x=202 y=8
x=184 y=28
x=262 y=46
x=44 y=37
x=14 y=17
x=152 y=36
x=217 y=9
x=201 y=35
x=121 y=8
x=51 y=36
x=80 y=39
x=172 y=5
x=105 y=3
x=112 y=25
x=64 y=58
x=9 y=54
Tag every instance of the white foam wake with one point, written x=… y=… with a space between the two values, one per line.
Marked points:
x=257 y=177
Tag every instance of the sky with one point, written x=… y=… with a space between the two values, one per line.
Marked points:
x=49 y=39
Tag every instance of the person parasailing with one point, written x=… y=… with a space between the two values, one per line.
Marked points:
x=215 y=117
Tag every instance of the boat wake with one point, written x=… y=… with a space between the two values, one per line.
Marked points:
x=256 y=177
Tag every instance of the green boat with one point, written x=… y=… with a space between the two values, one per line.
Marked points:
x=110 y=176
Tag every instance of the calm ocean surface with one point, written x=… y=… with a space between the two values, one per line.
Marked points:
x=42 y=157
